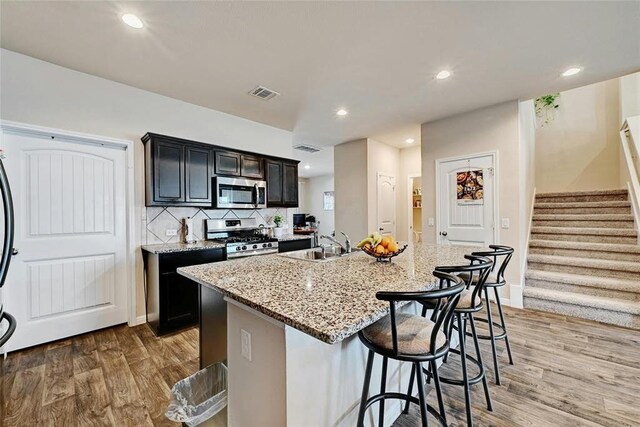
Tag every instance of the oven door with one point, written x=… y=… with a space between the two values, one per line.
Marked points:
x=234 y=193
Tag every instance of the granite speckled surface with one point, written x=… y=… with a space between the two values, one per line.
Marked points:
x=329 y=300
x=181 y=247
x=288 y=237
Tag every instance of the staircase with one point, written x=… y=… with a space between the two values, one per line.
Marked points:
x=584 y=258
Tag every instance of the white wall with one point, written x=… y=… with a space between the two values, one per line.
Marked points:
x=579 y=150
x=629 y=96
x=410 y=164
x=494 y=128
x=316 y=186
x=351 y=188
x=40 y=93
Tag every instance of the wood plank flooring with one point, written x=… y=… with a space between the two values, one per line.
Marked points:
x=568 y=372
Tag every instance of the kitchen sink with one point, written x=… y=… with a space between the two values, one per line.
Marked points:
x=316 y=254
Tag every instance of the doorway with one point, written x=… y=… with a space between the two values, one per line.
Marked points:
x=466 y=200
x=386 y=206
x=414 y=209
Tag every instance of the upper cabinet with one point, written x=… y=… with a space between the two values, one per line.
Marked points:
x=178 y=172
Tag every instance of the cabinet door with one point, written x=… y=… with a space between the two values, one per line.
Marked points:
x=168 y=172
x=179 y=296
x=251 y=166
x=198 y=168
x=290 y=184
x=227 y=163
x=274 y=182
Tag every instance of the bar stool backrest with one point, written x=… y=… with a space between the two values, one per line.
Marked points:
x=479 y=267
x=501 y=256
x=446 y=297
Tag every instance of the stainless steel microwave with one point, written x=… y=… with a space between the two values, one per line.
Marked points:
x=239 y=193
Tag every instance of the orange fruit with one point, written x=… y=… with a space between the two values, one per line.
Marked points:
x=385 y=241
x=393 y=247
x=379 y=249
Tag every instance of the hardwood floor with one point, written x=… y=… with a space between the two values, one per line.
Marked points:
x=118 y=376
x=568 y=372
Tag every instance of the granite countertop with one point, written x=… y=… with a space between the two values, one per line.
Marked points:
x=165 y=248
x=327 y=300
x=288 y=237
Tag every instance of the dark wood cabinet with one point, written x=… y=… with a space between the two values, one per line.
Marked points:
x=178 y=172
x=251 y=167
x=282 y=183
x=172 y=299
x=227 y=163
x=294 y=245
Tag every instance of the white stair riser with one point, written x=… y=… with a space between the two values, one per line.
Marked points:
x=606 y=316
x=627 y=240
x=593 y=254
x=587 y=271
x=590 y=198
x=622 y=210
x=583 y=224
x=585 y=290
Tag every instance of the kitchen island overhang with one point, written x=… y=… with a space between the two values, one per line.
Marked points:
x=307 y=365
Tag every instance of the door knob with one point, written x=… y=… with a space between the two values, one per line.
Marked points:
x=15 y=251
x=443 y=233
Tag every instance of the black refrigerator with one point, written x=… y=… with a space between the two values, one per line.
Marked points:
x=7 y=321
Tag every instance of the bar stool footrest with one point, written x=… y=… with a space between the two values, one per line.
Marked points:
x=394 y=395
x=498 y=336
x=453 y=381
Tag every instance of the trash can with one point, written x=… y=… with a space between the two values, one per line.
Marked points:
x=200 y=399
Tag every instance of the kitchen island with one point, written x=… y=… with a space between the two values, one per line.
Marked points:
x=300 y=363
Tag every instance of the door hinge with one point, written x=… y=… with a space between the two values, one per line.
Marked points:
x=491 y=170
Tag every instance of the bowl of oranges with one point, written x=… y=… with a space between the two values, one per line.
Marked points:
x=382 y=248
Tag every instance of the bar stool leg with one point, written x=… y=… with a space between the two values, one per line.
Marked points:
x=410 y=391
x=383 y=387
x=485 y=383
x=422 y=395
x=496 y=367
x=504 y=326
x=463 y=362
x=365 y=389
x=436 y=382
x=446 y=356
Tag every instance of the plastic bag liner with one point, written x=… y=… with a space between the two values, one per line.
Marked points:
x=200 y=396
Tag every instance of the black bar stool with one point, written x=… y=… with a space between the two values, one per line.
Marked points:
x=411 y=338
x=501 y=256
x=470 y=302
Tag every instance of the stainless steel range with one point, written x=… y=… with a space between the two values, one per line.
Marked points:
x=242 y=237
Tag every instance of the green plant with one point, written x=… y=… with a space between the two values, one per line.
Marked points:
x=277 y=219
x=545 y=106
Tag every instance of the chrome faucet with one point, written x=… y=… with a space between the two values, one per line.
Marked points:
x=346 y=248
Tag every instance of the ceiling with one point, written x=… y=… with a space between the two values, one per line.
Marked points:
x=376 y=59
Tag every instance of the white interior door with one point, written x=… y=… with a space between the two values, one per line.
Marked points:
x=70 y=208
x=386 y=209
x=466 y=201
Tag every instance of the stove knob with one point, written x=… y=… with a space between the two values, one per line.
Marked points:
x=269 y=245
x=264 y=245
x=244 y=248
x=255 y=246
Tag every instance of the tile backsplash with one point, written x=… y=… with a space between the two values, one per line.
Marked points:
x=159 y=220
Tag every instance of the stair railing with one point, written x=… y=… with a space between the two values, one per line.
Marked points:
x=630 y=140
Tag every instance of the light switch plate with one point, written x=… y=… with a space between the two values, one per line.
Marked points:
x=505 y=223
x=431 y=222
x=172 y=232
x=245 y=344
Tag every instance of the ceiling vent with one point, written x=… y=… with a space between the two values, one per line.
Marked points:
x=306 y=148
x=263 y=93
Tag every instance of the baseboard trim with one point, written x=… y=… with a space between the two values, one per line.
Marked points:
x=517 y=299
x=139 y=320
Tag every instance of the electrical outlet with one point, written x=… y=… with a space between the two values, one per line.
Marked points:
x=172 y=232
x=245 y=344
x=505 y=223
x=431 y=222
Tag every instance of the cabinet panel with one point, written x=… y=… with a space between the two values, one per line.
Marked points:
x=198 y=168
x=290 y=184
x=251 y=167
x=227 y=163
x=274 y=182
x=168 y=178
x=181 y=299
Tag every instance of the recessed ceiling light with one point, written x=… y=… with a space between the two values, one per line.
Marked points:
x=443 y=75
x=307 y=167
x=342 y=112
x=571 y=71
x=132 y=20
x=409 y=140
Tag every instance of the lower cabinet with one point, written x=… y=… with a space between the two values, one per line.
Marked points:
x=294 y=245
x=172 y=299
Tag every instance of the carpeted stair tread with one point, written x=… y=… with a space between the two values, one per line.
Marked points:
x=582 y=217
x=626 y=285
x=620 y=192
x=585 y=262
x=584 y=205
x=586 y=230
x=585 y=246
x=604 y=303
